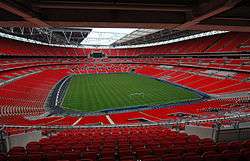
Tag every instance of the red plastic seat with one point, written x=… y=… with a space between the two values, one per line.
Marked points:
x=246 y=144
x=206 y=141
x=17 y=157
x=128 y=157
x=177 y=158
x=90 y=155
x=177 y=150
x=71 y=156
x=17 y=150
x=192 y=157
x=37 y=157
x=213 y=157
x=234 y=145
x=107 y=159
x=108 y=154
x=245 y=154
x=53 y=156
x=206 y=148
x=149 y=158
x=222 y=146
x=3 y=157
x=231 y=155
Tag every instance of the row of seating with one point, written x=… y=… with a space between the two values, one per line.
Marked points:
x=102 y=68
x=12 y=47
x=219 y=63
x=16 y=97
x=26 y=96
x=209 y=109
x=151 y=143
x=227 y=42
x=198 y=79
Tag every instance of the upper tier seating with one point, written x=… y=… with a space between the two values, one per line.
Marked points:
x=17 y=48
x=227 y=42
x=242 y=64
x=20 y=63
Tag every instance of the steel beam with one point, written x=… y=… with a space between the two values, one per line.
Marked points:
x=26 y=15
x=112 y=6
x=211 y=9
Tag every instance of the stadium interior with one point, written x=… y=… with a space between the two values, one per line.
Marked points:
x=125 y=80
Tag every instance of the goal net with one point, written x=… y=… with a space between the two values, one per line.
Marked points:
x=136 y=96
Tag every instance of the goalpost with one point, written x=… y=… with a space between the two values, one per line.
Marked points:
x=136 y=96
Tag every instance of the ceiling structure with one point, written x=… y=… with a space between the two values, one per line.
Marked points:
x=71 y=21
x=135 y=35
x=230 y=15
x=62 y=36
x=105 y=36
x=153 y=36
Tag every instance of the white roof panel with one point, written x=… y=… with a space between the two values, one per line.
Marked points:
x=105 y=36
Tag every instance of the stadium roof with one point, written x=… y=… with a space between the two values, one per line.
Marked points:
x=106 y=36
x=229 y=15
x=136 y=34
x=78 y=23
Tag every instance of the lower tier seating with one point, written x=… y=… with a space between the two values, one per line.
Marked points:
x=199 y=79
x=210 y=109
x=26 y=96
x=151 y=143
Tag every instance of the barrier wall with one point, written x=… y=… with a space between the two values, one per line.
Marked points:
x=22 y=139
x=201 y=131
x=229 y=133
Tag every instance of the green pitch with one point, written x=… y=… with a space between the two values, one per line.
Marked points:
x=96 y=92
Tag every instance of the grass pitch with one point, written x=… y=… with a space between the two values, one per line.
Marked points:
x=96 y=92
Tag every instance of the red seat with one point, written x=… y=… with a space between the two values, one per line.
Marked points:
x=192 y=158
x=222 y=146
x=213 y=157
x=128 y=157
x=231 y=155
x=246 y=144
x=159 y=152
x=108 y=154
x=90 y=155
x=107 y=159
x=177 y=158
x=37 y=157
x=143 y=152
x=71 y=156
x=149 y=158
x=17 y=150
x=17 y=157
x=192 y=148
x=234 y=145
x=205 y=148
x=245 y=154
x=53 y=156
x=3 y=157
x=206 y=141
x=177 y=150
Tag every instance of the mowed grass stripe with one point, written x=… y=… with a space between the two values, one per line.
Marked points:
x=95 y=92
